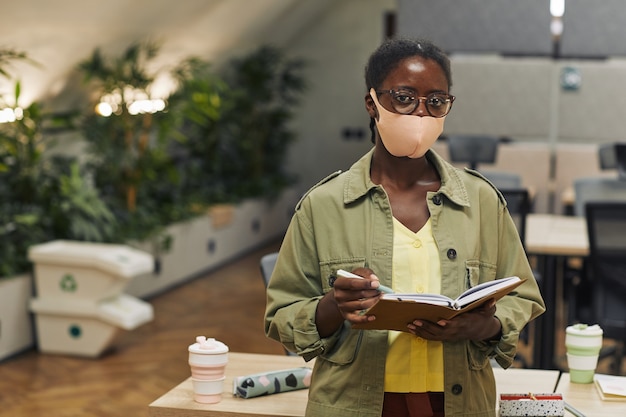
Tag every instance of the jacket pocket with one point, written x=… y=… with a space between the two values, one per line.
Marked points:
x=476 y=358
x=346 y=348
x=477 y=271
x=328 y=270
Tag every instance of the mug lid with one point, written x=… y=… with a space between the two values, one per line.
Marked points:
x=208 y=346
x=582 y=329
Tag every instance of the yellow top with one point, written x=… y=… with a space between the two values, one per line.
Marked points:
x=414 y=364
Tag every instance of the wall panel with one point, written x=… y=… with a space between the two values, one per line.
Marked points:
x=501 y=96
x=594 y=112
x=501 y=26
x=594 y=28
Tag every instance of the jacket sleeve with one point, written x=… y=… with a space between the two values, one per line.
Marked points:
x=517 y=309
x=295 y=289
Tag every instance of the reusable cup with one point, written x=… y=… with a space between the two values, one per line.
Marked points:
x=583 y=344
x=207 y=361
x=208 y=391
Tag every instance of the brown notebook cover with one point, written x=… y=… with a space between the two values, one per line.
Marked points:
x=394 y=313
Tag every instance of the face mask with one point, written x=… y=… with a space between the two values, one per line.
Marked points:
x=405 y=134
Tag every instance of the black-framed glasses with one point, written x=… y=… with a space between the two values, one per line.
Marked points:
x=406 y=101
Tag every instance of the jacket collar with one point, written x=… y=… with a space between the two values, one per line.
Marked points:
x=359 y=182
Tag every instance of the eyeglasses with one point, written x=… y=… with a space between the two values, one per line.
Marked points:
x=405 y=101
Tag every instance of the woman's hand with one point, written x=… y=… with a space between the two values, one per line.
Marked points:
x=354 y=295
x=349 y=297
x=478 y=324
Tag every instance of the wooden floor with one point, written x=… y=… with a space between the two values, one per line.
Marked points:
x=227 y=304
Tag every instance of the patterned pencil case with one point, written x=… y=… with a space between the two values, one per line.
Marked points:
x=273 y=382
x=512 y=405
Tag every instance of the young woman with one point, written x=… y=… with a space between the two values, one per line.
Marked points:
x=405 y=218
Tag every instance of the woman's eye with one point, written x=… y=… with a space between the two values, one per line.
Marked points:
x=404 y=98
x=436 y=101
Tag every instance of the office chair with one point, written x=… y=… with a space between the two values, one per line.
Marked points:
x=620 y=160
x=519 y=205
x=579 y=284
x=606 y=226
x=606 y=156
x=472 y=149
x=267 y=267
x=589 y=189
x=503 y=180
x=613 y=156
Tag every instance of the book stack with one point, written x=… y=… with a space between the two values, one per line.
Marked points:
x=611 y=387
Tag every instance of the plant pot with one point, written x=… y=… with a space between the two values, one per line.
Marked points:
x=221 y=215
x=198 y=245
x=16 y=320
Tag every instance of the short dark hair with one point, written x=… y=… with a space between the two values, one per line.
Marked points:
x=389 y=54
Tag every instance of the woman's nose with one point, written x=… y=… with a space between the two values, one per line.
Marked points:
x=421 y=109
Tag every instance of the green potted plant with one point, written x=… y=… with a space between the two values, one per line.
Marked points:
x=266 y=87
x=41 y=198
x=231 y=128
x=191 y=125
x=222 y=139
x=130 y=163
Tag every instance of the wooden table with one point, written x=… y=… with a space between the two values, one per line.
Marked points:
x=585 y=398
x=553 y=238
x=179 y=401
x=556 y=235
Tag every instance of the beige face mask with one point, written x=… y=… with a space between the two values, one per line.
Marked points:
x=406 y=134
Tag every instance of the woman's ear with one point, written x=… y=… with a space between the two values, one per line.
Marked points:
x=370 y=106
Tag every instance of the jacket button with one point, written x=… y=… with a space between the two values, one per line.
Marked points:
x=457 y=389
x=331 y=280
x=437 y=199
x=451 y=254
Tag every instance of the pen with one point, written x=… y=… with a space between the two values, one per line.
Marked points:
x=346 y=274
x=572 y=410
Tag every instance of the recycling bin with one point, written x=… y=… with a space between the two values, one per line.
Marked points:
x=84 y=270
x=85 y=328
x=80 y=305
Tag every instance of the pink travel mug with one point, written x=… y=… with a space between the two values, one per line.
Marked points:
x=207 y=360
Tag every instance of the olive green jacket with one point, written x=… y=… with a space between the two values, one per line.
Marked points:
x=345 y=222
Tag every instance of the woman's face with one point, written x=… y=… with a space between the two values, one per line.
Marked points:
x=404 y=124
x=424 y=76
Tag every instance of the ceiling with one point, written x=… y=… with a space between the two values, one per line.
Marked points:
x=59 y=34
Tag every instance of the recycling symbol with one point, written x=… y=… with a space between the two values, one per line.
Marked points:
x=68 y=283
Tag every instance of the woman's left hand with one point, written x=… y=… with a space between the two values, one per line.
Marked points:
x=478 y=324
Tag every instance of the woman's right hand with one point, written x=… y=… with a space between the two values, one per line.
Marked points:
x=353 y=295
x=346 y=301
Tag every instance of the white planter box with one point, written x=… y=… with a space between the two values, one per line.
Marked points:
x=16 y=322
x=199 y=246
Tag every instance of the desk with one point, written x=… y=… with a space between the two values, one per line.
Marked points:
x=556 y=235
x=552 y=237
x=585 y=398
x=179 y=402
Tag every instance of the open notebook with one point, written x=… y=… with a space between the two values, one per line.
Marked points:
x=395 y=311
